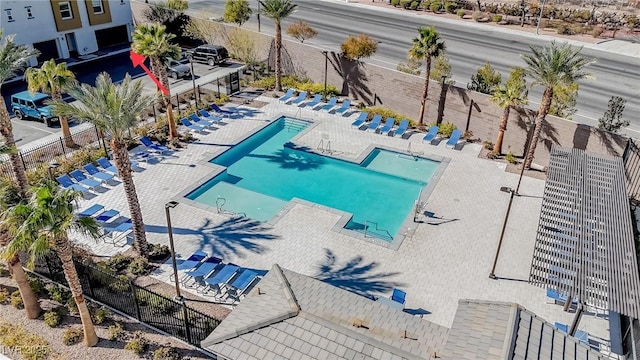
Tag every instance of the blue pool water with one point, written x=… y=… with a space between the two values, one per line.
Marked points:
x=263 y=174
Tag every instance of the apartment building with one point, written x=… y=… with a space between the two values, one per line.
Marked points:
x=70 y=28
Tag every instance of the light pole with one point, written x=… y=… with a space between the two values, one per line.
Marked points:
x=193 y=81
x=167 y=206
x=258 y=15
x=326 y=68
x=52 y=165
x=540 y=17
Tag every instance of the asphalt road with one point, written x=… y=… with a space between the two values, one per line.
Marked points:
x=468 y=47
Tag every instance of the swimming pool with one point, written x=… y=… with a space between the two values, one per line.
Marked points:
x=265 y=171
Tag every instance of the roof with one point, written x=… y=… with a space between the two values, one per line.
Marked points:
x=26 y=95
x=494 y=330
x=585 y=244
x=293 y=316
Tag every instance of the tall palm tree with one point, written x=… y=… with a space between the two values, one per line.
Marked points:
x=426 y=46
x=13 y=58
x=51 y=78
x=113 y=110
x=278 y=10
x=551 y=66
x=152 y=41
x=512 y=94
x=43 y=224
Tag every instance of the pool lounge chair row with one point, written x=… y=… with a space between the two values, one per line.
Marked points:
x=376 y=126
x=315 y=103
x=115 y=228
x=432 y=134
x=204 y=120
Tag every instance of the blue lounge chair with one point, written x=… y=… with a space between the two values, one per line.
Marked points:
x=66 y=182
x=301 y=96
x=113 y=234
x=107 y=166
x=375 y=123
x=582 y=336
x=201 y=272
x=399 y=296
x=222 y=277
x=211 y=118
x=192 y=127
x=242 y=282
x=193 y=261
x=219 y=110
x=83 y=180
x=153 y=146
x=455 y=137
x=105 y=216
x=330 y=104
x=345 y=106
x=361 y=119
x=402 y=128
x=196 y=120
x=557 y=298
x=91 y=210
x=315 y=101
x=388 y=125
x=287 y=95
x=93 y=171
x=431 y=134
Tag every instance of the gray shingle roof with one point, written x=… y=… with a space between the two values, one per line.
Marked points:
x=293 y=316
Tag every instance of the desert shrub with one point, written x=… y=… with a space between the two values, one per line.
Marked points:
x=32 y=347
x=100 y=315
x=269 y=82
x=121 y=285
x=445 y=129
x=435 y=6
x=597 y=31
x=16 y=300
x=116 y=332
x=158 y=252
x=479 y=16
x=395 y=3
x=140 y=266
x=461 y=13
x=52 y=318
x=379 y=110
x=222 y=99
x=450 y=7
x=37 y=285
x=138 y=343
x=317 y=88
x=564 y=29
x=119 y=262
x=161 y=306
x=59 y=294
x=405 y=4
x=511 y=158
x=166 y=353
x=358 y=47
x=414 y=5
x=487 y=145
x=72 y=335
x=496 y=18
x=71 y=305
x=4 y=295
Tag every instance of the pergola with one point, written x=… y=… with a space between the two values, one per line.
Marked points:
x=585 y=245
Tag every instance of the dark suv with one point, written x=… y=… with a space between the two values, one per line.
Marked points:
x=209 y=54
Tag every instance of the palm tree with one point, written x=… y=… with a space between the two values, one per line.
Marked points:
x=51 y=78
x=278 y=10
x=43 y=224
x=13 y=58
x=551 y=66
x=512 y=94
x=427 y=46
x=113 y=110
x=152 y=41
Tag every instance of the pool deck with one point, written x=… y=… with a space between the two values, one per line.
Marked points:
x=447 y=258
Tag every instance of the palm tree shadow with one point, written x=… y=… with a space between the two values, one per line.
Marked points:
x=292 y=159
x=611 y=141
x=355 y=276
x=231 y=237
x=354 y=77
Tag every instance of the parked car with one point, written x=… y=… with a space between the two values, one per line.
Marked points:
x=26 y=105
x=209 y=54
x=178 y=68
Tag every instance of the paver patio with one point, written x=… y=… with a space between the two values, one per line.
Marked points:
x=447 y=258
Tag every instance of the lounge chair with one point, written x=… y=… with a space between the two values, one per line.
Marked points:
x=345 y=106
x=153 y=146
x=287 y=95
x=315 y=101
x=388 y=125
x=114 y=233
x=192 y=127
x=105 y=216
x=242 y=283
x=361 y=119
x=91 y=210
x=93 y=171
x=219 y=110
x=198 y=121
x=399 y=296
x=301 y=96
x=66 y=182
x=330 y=104
x=375 y=123
x=200 y=272
x=193 y=261
x=402 y=128
x=81 y=178
x=107 y=166
x=221 y=278
x=431 y=134
x=208 y=117
x=455 y=137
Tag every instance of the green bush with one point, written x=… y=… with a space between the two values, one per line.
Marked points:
x=414 y=5
x=317 y=88
x=52 y=318
x=166 y=353
x=37 y=285
x=100 y=315
x=119 y=262
x=445 y=130
x=435 y=6
x=72 y=307
x=461 y=13
x=496 y=18
x=487 y=145
x=59 y=294
x=138 y=343
x=72 y=335
x=121 y=285
x=32 y=347
x=405 y=4
x=221 y=99
x=395 y=3
x=16 y=300
x=67 y=163
x=140 y=267
x=451 y=7
x=159 y=252
x=4 y=295
x=378 y=110
x=511 y=158
x=293 y=82
x=116 y=332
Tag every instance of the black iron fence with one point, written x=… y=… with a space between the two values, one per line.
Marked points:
x=158 y=311
x=631 y=157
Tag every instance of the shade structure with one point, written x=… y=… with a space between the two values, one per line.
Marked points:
x=584 y=245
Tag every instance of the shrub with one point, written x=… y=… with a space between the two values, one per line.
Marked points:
x=222 y=99
x=445 y=129
x=317 y=88
x=101 y=315
x=435 y=6
x=496 y=18
x=395 y=3
x=564 y=29
x=358 y=47
x=378 y=110
x=121 y=285
x=116 y=332
x=138 y=344
x=405 y=4
x=37 y=285
x=59 y=294
x=414 y=5
x=4 y=295
x=140 y=266
x=597 y=31
x=72 y=307
x=72 y=335
x=301 y=30
x=159 y=252
x=450 y=7
x=487 y=145
x=511 y=158
x=461 y=13
x=52 y=318
x=16 y=300
x=160 y=306
x=479 y=16
x=166 y=353
x=32 y=347
x=119 y=262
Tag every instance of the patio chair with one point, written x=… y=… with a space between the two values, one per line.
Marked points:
x=315 y=101
x=242 y=283
x=287 y=95
x=91 y=210
x=388 y=125
x=431 y=134
x=105 y=216
x=361 y=119
x=196 y=275
x=198 y=121
x=193 y=260
x=107 y=166
x=301 y=96
x=329 y=105
x=192 y=127
x=402 y=128
x=114 y=233
x=66 y=182
x=208 y=117
x=218 y=110
x=153 y=146
x=399 y=296
x=375 y=123
x=221 y=278
x=455 y=137
x=80 y=177
x=93 y=171
x=345 y=106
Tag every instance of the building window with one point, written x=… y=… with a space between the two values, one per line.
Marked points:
x=9 y=15
x=97 y=6
x=29 y=12
x=65 y=10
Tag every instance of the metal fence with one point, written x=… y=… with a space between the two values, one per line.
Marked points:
x=631 y=157
x=158 y=311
